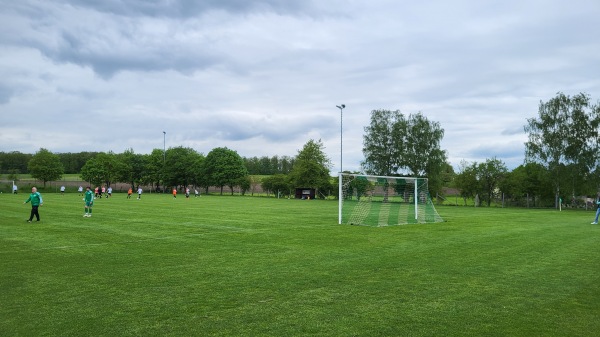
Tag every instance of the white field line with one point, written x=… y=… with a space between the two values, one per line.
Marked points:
x=229 y=229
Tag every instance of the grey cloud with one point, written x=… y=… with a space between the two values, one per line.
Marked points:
x=126 y=55
x=190 y=8
x=79 y=34
x=498 y=150
x=513 y=131
x=6 y=92
x=238 y=127
x=128 y=43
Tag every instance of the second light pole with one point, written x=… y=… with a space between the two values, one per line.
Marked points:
x=341 y=107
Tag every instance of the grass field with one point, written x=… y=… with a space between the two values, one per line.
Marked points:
x=242 y=266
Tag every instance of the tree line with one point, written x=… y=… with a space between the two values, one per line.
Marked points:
x=15 y=163
x=181 y=167
x=562 y=161
x=562 y=156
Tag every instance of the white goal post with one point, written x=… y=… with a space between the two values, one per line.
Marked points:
x=383 y=201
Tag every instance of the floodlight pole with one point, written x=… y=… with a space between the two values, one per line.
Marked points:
x=341 y=107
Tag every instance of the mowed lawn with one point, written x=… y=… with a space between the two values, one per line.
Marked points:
x=243 y=266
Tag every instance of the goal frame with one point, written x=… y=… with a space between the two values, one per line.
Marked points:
x=413 y=180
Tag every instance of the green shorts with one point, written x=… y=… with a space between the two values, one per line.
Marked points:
x=89 y=203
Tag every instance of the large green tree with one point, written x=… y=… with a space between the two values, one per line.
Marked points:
x=180 y=167
x=529 y=182
x=154 y=168
x=394 y=145
x=565 y=133
x=224 y=167
x=130 y=167
x=198 y=177
x=311 y=168
x=45 y=166
x=490 y=174
x=422 y=154
x=383 y=142
x=101 y=170
x=466 y=180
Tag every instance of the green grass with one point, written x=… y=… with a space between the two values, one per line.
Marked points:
x=241 y=266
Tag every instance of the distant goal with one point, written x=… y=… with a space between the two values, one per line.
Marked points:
x=384 y=201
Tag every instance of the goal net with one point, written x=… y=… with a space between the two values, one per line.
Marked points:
x=383 y=201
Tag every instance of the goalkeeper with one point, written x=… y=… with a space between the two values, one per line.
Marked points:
x=598 y=210
x=89 y=202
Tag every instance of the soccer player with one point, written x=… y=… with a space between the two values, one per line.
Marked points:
x=36 y=201
x=109 y=192
x=89 y=202
x=80 y=190
x=598 y=210
x=139 y=193
x=187 y=192
x=129 y=191
x=174 y=192
x=196 y=193
x=62 y=190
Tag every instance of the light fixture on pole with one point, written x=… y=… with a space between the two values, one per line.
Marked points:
x=341 y=107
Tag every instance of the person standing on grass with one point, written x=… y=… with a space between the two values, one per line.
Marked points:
x=15 y=189
x=109 y=192
x=598 y=210
x=80 y=190
x=196 y=193
x=129 y=192
x=139 y=193
x=89 y=202
x=187 y=192
x=62 y=190
x=36 y=201
x=174 y=193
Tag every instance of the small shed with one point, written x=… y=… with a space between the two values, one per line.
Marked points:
x=305 y=193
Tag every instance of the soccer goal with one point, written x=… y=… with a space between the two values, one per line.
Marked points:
x=383 y=201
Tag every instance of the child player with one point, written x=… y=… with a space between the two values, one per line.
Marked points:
x=89 y=202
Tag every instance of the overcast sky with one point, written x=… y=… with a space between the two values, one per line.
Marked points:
x=264 y=77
